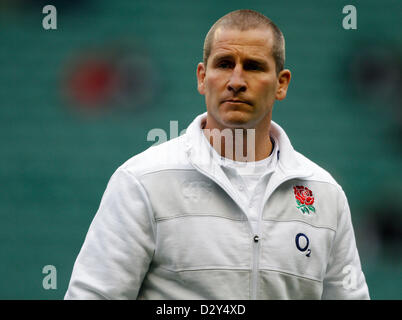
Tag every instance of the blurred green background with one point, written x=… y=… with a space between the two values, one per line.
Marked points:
x=78 y=101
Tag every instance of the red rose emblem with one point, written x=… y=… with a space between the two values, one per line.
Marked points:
x=304 y=198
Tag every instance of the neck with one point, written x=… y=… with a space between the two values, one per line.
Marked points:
x=240 y=144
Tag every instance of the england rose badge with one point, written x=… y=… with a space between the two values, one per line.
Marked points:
x=304 y=199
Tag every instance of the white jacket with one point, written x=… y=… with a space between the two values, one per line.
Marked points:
x=170 y=226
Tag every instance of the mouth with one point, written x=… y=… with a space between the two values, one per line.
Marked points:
x=236 y=101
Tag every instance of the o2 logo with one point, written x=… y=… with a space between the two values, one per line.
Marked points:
x=302 y=243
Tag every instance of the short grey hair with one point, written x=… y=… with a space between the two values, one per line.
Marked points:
x=246 y=19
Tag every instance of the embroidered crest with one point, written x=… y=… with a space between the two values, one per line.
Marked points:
x=304 y=199
x=196 y=190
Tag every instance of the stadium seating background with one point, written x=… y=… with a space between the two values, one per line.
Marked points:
x=56 y=158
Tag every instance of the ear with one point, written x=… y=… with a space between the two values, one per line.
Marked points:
x=201 y=77
x=283 y=82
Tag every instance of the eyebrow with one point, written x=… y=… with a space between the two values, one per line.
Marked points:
x=221 y=57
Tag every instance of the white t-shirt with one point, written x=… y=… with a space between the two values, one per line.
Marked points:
x=250 y=179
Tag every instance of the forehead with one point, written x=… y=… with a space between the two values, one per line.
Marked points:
x=254 y=42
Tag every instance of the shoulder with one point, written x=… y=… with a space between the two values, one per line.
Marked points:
x=165 y=156
x=319 y=174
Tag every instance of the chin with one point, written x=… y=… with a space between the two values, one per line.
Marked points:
x=237 y=119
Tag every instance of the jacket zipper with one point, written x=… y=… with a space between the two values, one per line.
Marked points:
x=256 y=237
x=254 y=273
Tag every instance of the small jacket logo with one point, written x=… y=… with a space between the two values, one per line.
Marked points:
x=304 y=199
x=196 y=190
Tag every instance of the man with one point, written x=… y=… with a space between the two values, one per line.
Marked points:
x=229 y=210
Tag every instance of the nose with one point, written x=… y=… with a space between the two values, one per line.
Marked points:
x=236 y=82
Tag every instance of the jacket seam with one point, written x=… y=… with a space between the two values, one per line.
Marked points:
x=305 y=178
x=335 y=184
x=165 y=169
x=291 y=274
x=302 y=221
x=214 y=268
x=196 y=214
x=208 y=268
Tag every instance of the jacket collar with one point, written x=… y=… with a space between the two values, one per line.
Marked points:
x=200 y=154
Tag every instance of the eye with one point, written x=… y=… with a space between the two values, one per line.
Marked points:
x=224 y=64
x=253 y=66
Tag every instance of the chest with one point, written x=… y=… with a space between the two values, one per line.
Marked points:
x=200 y=227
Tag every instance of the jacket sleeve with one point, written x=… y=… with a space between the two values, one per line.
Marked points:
x=344 y=278
x=119 y=245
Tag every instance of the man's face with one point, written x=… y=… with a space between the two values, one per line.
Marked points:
x=240 y=83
